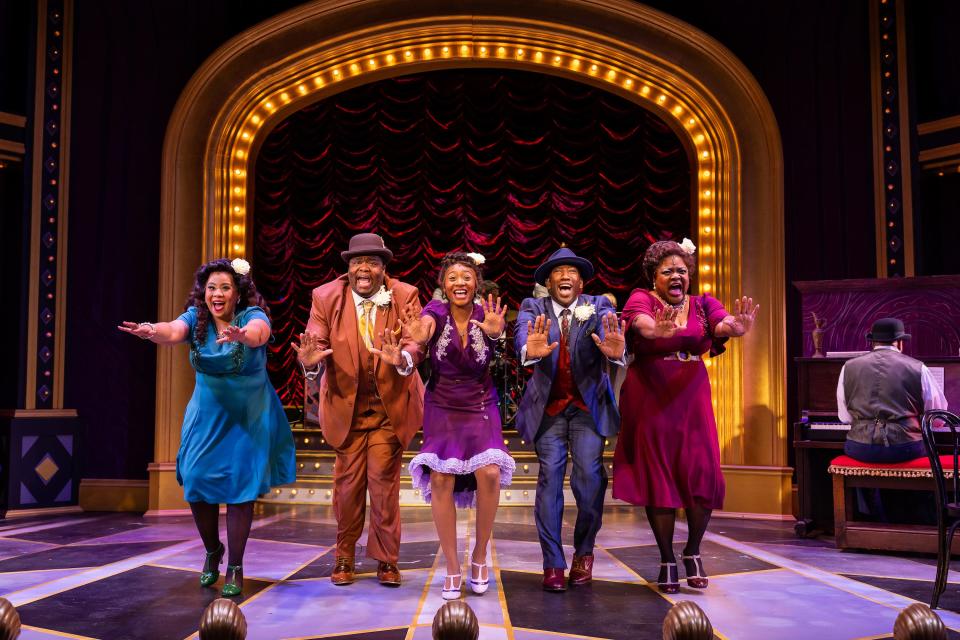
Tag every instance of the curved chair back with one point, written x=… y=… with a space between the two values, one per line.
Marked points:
x=927 y=424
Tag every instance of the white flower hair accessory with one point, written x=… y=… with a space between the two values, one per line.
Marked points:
x=240 y=266
x=688 y=246
x=584 y=312
x=477 y=257
x=383 y=297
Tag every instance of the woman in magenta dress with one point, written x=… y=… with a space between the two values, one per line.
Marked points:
x=668 y=455
x=463 y=461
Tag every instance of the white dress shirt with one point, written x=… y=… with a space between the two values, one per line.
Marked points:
x=933 y=397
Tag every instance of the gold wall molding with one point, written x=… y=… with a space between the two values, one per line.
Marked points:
x=935 y=126
x=325 y=47
x=108 y=494
x=13 y=119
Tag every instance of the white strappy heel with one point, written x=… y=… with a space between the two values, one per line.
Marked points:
x=479 y=586
x=453 y=591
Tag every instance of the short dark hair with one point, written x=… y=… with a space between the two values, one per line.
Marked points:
x=461 y=258
x=656 y=253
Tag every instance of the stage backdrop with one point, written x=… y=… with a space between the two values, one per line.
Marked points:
x=507 y=164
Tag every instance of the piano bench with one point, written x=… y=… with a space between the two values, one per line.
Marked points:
x=849 y=474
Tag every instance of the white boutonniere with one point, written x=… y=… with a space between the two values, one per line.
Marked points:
x=240 y=266
x=477 y=257
x=688 y=246
x=584 y=312
x=382 y=298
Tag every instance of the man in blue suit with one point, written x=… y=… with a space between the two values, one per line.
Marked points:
x=568 y=405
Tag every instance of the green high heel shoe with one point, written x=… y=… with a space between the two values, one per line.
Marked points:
x=233 y=582
x=211 y=566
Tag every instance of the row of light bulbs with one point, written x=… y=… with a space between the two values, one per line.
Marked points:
x=262 y=112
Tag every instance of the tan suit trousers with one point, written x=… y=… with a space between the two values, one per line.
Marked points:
x=369 y=459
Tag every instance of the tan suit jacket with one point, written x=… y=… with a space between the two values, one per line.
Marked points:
x=333 y=317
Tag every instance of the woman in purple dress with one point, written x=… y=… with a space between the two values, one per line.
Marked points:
x=668 y=455
x=463 y=461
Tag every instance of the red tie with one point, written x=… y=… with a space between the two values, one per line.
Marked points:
x=565 y=325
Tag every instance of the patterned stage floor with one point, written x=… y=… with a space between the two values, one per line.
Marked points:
x=121 y=576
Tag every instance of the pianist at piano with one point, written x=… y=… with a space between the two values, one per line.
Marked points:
x=882 y=396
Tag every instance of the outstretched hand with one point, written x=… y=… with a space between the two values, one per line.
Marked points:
x=613 y=344
x=744 y=315
x=414 y=323
x=143 y=330
x=231 y=333
x=538 y=333
x=665 y=322
x=309 y=351
x=389 y=350
x=493 y=321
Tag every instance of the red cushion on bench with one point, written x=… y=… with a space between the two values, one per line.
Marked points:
x=916 y=463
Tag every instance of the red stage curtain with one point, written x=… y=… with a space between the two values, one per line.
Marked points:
x=507 y=164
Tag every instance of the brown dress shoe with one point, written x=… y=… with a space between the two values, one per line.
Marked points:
x=581 y=572
x=553 y=580
x=388 y=574
x=343 y=572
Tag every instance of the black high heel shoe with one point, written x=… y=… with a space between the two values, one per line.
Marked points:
x=698 y=577
x=669 y=579
x=233 y=582
x=211 y=566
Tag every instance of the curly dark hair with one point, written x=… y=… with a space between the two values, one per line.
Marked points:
x=662 y=249
x=459 y=257
x=249 y=296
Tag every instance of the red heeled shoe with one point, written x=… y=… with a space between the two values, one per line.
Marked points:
x=698 y=577
x=669 y=579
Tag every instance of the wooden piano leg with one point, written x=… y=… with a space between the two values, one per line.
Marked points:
x=842 y=511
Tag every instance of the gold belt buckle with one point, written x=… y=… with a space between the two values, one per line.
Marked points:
x=682 y=356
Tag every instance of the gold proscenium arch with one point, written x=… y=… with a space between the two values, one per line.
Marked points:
x=746 y=400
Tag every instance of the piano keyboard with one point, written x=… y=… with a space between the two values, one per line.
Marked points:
x=829 y=426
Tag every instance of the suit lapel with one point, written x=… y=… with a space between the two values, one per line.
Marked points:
x=554 y=334
x=575 y=327
x=384 y=319
x=348 y=324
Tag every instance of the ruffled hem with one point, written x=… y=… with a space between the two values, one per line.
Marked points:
x=455 y=466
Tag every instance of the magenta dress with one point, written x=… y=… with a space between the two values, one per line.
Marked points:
x=668 y=454
x=461 y=421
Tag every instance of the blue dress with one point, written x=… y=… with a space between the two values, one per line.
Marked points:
x=236 y=441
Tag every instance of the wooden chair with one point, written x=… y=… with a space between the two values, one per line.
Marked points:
x=948 y=502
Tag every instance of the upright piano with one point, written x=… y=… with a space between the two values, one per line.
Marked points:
x=819 y=435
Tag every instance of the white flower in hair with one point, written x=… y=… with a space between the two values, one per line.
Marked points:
x=240 y=266
x=584 y=312
x=477 y=257
x=383 y=297
x=688 y=246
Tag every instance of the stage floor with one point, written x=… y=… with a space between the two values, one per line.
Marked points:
x=121 y=576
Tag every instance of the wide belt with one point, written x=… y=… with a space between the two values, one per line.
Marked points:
x=682 y=356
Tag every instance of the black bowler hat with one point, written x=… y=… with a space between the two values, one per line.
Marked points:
x=887 y=330
x=559 y=257
x=367 y=244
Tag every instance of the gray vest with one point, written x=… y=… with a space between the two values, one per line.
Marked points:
x=884 y=397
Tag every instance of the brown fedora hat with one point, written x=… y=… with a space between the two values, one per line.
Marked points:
x=367 y=244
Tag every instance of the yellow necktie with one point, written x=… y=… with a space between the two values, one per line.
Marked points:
x=366 y=326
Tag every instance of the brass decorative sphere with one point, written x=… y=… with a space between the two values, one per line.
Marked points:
x=687 y=621
x=223 y=620
x=9 y=620
x=455 y=620
x=919 y=622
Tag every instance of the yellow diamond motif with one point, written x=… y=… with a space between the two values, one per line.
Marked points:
x=46 y=469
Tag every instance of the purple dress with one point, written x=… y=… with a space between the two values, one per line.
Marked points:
x=461 y=422
x=668 y=454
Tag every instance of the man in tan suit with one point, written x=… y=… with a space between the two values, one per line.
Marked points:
x=369 y=410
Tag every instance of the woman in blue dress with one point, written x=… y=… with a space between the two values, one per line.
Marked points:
x=236 y=441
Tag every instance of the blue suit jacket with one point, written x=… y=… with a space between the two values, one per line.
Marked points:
x=588 y=363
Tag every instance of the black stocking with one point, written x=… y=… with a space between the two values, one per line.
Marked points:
x=698 y=517
x=207 y=518
x=661 y=521
x=239 y=519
